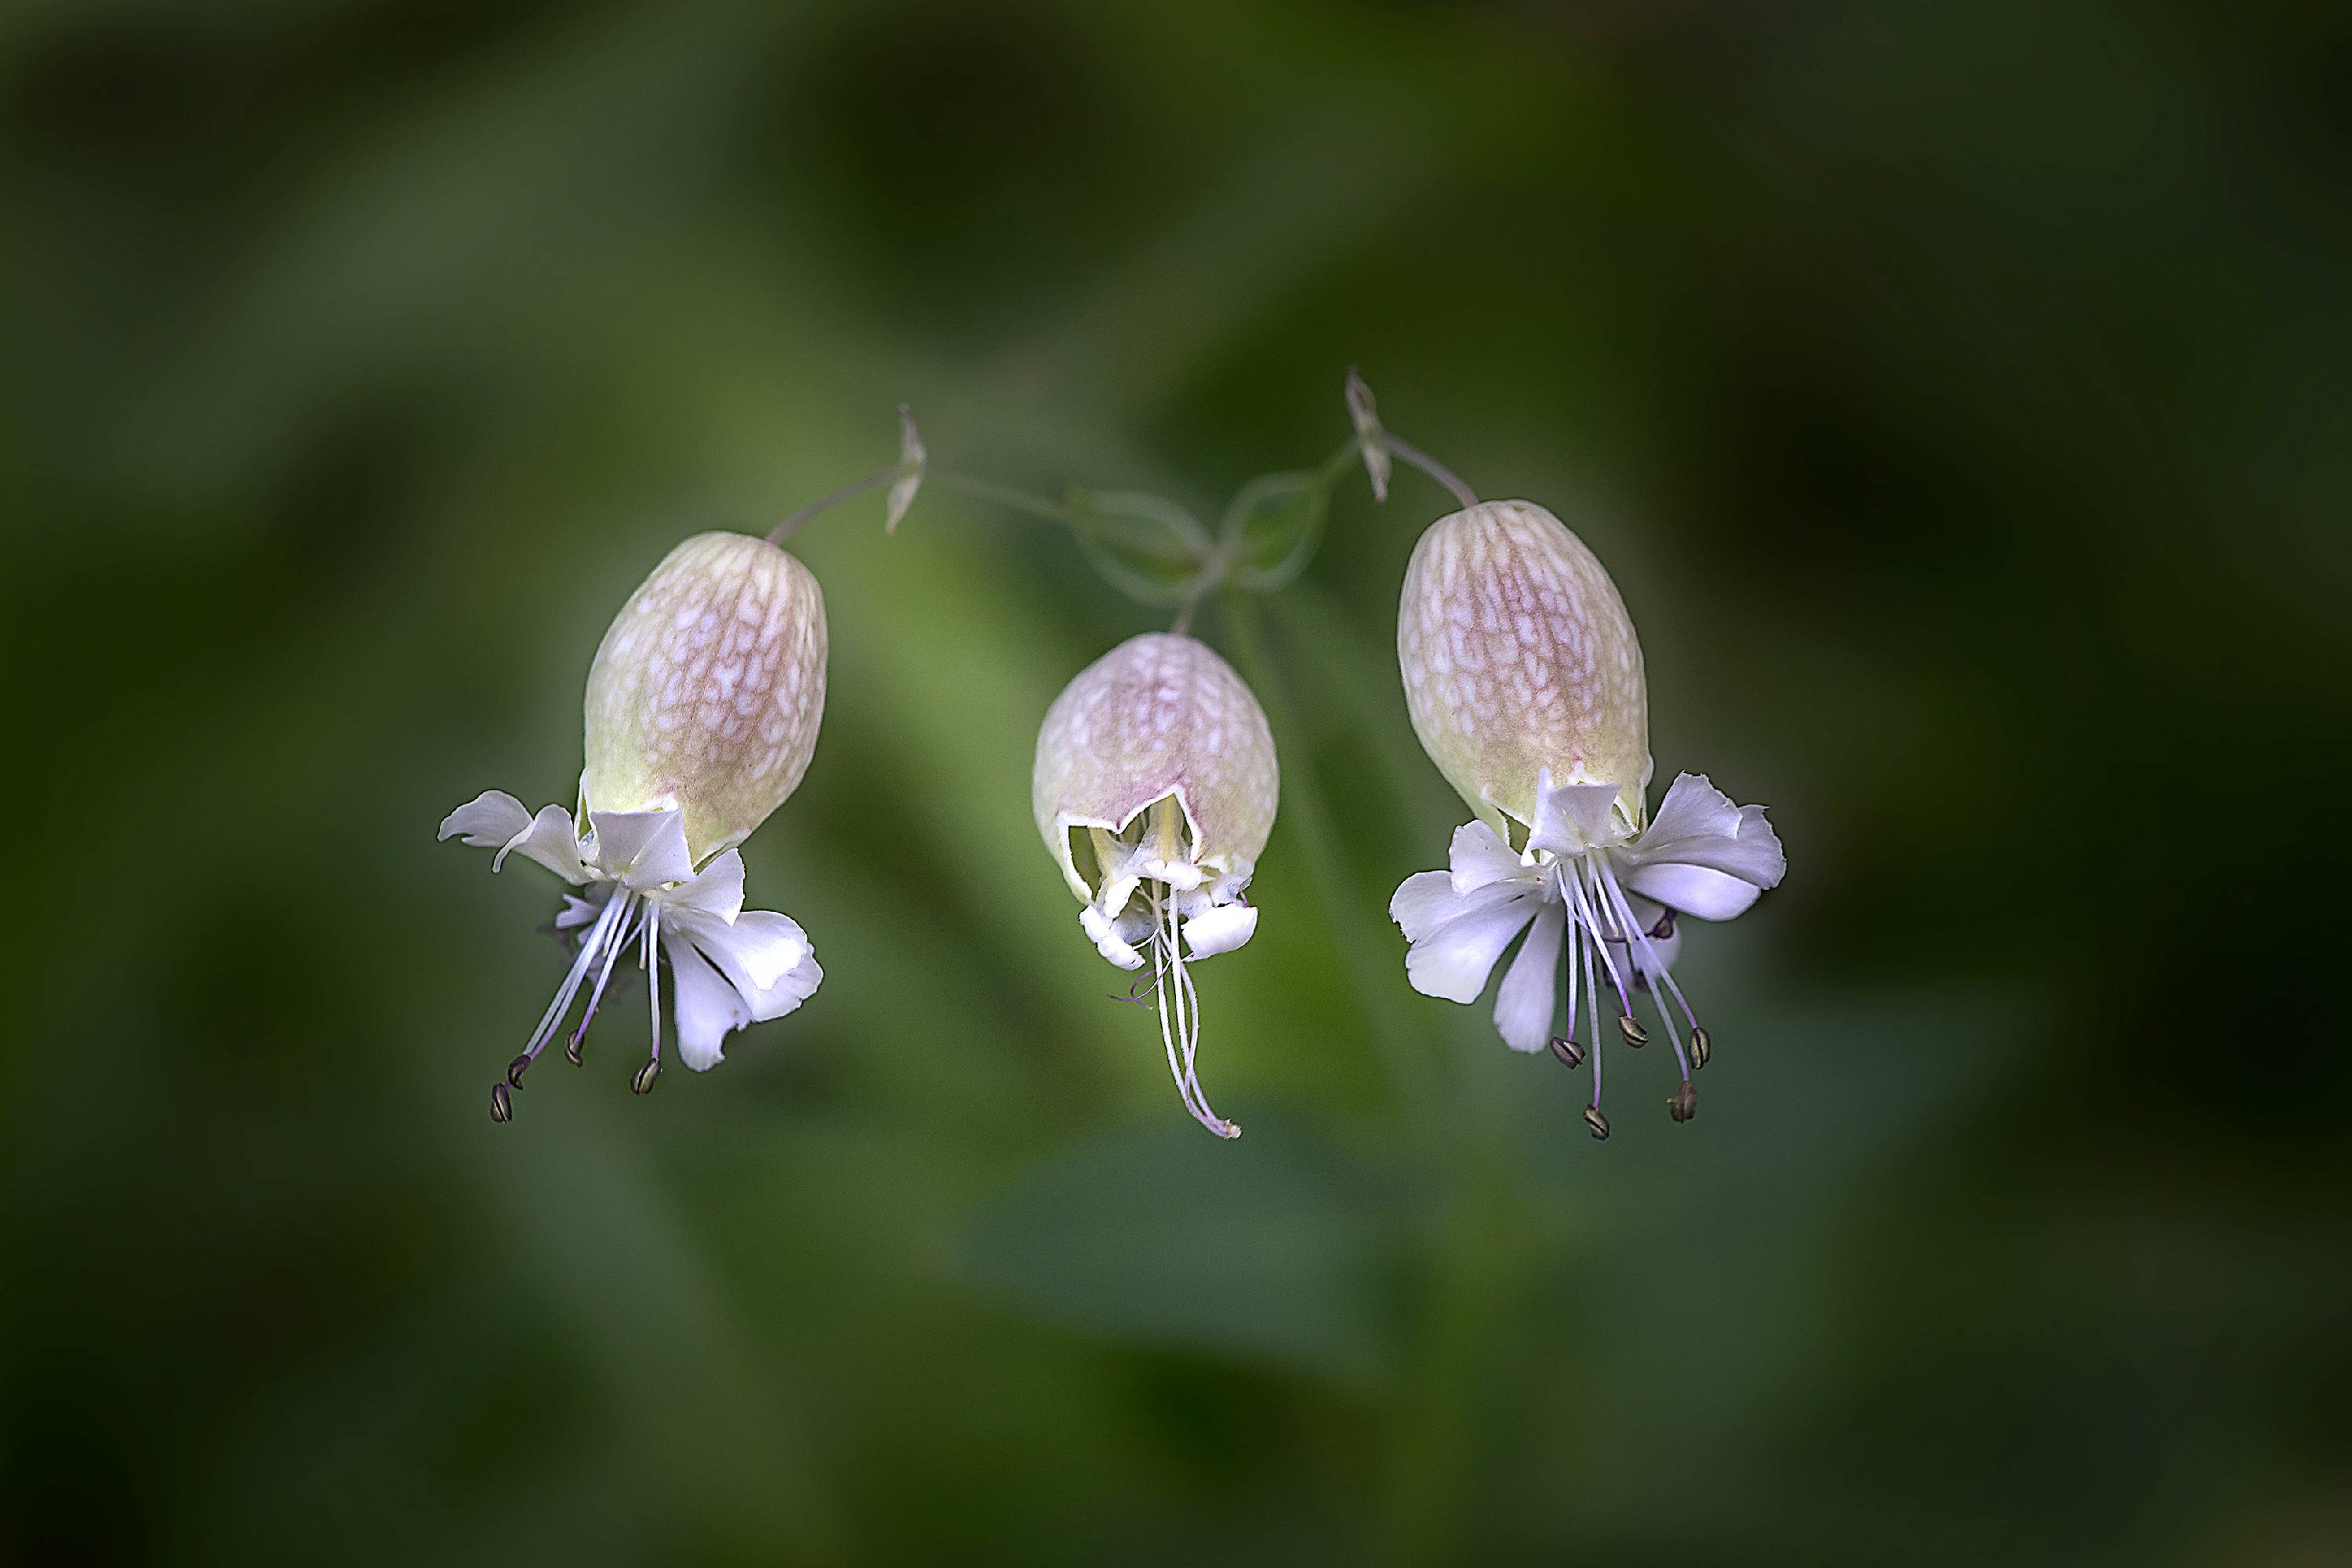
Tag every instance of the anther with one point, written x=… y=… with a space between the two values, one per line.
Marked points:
x=642 y=1080
x=1598 y=1122
x=1699 y=1047
x=1631 y=1027
x=501 y=1103
x=514 y=1070
x=1683 y=1104
x=1567 y=1050
x=572 y=1049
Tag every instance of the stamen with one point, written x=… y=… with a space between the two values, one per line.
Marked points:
x=1585 y=947
x=1570 y=1053
x=642 y=1080
x=1699 y=1047
x=621 y=935
x=1631 y=1027
x=1683 y=1104
x=1179 y=1015
x=1594 y=1120
x=1644 y=956
x=1588 y=911
x=501 y=1105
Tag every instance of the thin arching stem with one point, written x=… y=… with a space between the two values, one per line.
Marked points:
x=793 y=524
x=1413 y=457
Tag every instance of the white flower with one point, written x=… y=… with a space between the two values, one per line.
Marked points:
x=1524 y=683
x=730 y=966
x=1155 y=767
x=702 y=710
x=1590 y=883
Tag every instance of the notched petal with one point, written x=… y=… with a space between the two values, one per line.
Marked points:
x=489 y=821
x=643 y=850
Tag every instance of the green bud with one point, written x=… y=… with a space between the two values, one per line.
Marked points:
x=707 y=689
x=1518 y=656
x=1159 y=715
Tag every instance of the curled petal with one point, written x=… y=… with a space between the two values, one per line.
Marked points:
x=1454 y=960
x=1108 y=939
x=552 y=840
x=1220 y=928
x=1426 y=901
x=708 y=1005
x=1709 y=894
x=755 y=952
x=1480 y=857
x=1697 y=825
x=726 y=976
x=716 y=890
x=1524 y=1003
x=643 y=850
x=1572 y=818
x=489 y=821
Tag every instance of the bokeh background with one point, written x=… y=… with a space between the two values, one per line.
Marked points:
x=1958 y=392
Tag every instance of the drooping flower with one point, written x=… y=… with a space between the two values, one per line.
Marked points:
x=702 y=712
x=1524 y=681
x=1155 y=790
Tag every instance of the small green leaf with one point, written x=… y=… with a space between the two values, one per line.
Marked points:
x=1272 y=528
x=1146 y=546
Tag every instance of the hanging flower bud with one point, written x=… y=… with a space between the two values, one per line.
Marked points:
x=1524 y=680
x=1518 y=656
x=702 y=712
x=707 y=692
x=1155 y=790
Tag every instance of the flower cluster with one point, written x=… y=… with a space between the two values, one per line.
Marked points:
x=1155 y=784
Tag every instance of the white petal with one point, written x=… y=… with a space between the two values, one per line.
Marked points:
x=553 y=841
x=706 y=1005
x=577 y=913
x=1105 y=935
x=1524 y=1001
x=794 y=986
x=1422 y=903
x=1454 y=960
x=1479 y=858
x=717 y=889
x=756 y=951
x=1697 y=825
x=1220 y=930
x=1426 y=901
x=1572 y=818
x=1698 y=890
x=487 y=821
x=643 y=850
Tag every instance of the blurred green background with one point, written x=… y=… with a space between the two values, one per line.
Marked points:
x=1958 y=392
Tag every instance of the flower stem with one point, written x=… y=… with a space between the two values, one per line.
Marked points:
x=1406 y=452
x=825 y=503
